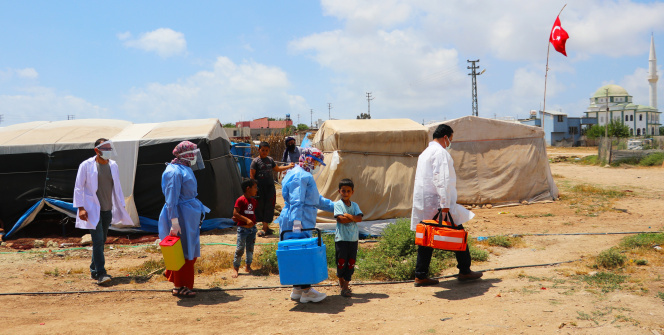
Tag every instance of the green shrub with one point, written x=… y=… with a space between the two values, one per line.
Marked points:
x=641 y=262
x=500 y=241
x=642 y=240
x=610 y=259
x=606 y=281
x=655 y=159
x=266 y=259
x=398 y=240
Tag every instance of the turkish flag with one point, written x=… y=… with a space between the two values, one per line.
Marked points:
x=558 y=37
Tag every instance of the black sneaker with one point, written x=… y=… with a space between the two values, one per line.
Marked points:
x=104 y=280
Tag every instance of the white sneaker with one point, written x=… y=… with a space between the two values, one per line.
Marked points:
x=296 y=294
x=312 y=296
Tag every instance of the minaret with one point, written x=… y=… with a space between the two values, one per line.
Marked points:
x=652 y=73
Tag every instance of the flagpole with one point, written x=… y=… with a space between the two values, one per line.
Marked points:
x=546 y=74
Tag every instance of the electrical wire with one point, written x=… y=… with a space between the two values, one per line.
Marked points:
x=217 y=289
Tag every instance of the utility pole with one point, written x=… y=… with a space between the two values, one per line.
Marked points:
x=606 y=126
x=369 y=98
x=474 y=75
x=329 y=110
x=298 y=118
x=1 y=116
x=312 y=118
x=70 y=117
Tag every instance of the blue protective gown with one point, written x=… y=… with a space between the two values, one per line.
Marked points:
x=302 y=202
x=180 y=189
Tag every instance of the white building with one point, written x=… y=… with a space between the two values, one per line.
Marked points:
x=612 y=102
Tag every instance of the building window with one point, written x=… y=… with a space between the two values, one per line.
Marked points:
x=560 y=118
x=631 y=132
x=626 y=117
x=638 y=131
x=234 y=132
x=631 y=117
x=644 y=131
x=640 y=117
x=573 y=130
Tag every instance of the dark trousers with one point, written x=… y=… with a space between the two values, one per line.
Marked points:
x=424 y=259
x=266 y=199
x=99 y=234
x=346 y=253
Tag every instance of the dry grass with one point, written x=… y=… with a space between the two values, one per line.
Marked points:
x=587 y=199
x=215 y=262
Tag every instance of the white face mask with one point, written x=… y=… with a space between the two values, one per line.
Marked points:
x=449 y=144
x=106 y=155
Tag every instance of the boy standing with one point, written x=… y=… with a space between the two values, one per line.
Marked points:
x=244 y=215
x=347 y=214
x=261 y=170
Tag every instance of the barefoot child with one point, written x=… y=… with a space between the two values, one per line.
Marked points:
x=347 y=214
x=244 y=215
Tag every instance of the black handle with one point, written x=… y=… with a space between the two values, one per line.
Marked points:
x=320 y=239
x=440 y=219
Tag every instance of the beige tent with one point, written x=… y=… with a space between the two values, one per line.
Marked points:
x=380 y=156
x=499 y=162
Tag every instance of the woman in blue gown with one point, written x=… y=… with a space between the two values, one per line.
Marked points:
x=182 y=214
x=301 y=204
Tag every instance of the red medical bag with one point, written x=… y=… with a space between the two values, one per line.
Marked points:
x=441 y=234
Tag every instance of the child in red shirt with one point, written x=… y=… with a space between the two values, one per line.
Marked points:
x=244 y=215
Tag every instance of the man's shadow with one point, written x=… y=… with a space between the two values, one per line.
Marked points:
x=458 y=290
x=335 y=304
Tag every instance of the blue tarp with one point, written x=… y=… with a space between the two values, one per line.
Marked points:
x=242 y=154
x=306 y=142
x=147 y=225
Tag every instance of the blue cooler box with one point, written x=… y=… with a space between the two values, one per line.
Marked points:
x=301 y=261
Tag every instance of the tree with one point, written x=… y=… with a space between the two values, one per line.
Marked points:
x=288 y=130
x=363 y=116
x=661 y=131
x=616 y=129
x=302 y=126
x=229 y=125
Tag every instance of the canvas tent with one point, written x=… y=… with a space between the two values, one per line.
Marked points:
x=499 y=162
x=380 y=156
x=40 y=161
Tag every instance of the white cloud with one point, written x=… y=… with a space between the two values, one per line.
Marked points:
x=45 y=104
x=164 y=41
x=28 y=73
x=229 y=92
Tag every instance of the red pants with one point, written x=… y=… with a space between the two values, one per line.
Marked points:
x=184 y=276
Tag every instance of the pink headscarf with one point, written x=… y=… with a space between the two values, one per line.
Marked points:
x=183 y=146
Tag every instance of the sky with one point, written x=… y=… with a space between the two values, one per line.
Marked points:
x=155 y=61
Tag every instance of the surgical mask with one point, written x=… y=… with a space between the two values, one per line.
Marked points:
x=106 y=155
x=449 y=144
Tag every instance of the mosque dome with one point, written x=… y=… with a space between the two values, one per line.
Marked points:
x=614 y=91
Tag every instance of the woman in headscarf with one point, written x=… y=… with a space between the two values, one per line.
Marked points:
x=301 y=204
x=182 y=213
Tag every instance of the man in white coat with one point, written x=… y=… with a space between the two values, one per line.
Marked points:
x=98 y=196
x=435 y=188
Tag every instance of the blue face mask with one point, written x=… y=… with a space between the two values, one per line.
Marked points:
x=106 y=155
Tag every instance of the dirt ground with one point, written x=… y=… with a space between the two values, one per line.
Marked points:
x=530 y=300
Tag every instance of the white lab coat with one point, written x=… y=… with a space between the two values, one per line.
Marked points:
x=85 y=195
x=435 y=187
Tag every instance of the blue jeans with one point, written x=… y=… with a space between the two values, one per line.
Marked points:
x=99 y=235
x=246 y=238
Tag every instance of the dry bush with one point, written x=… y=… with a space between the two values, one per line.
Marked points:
x=215 y=262
x=277 y=146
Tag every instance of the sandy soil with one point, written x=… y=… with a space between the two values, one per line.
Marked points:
x=533 y=300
